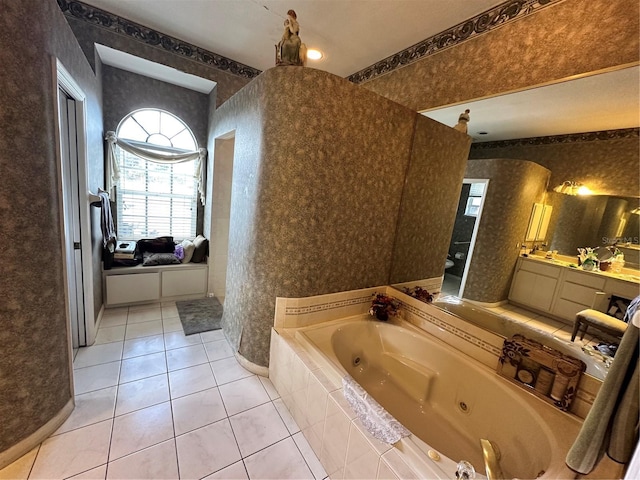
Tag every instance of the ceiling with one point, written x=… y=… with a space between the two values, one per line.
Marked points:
x=355 y=34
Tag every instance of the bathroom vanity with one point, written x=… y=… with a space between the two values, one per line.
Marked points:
x=554 y=288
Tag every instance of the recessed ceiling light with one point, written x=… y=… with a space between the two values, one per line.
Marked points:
x=313 y=54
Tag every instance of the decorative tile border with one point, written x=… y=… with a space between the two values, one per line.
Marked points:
x=483 y=23
x=452 y=329
x=148 y=36
x=322 y=307
x=558 y=139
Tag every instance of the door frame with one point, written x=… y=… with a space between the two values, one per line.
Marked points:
x=474 y=235
x=63 y=79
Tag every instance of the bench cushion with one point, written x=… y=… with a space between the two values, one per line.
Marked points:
x=596 y=318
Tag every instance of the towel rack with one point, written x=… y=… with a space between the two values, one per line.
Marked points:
x=95 y=198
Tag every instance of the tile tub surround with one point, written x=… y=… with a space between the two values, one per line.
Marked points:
x=315 y=400
x=343 y=446
x=303 y=312
x=482 y=345
x=308 y=217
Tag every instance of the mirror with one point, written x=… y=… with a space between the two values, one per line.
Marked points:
x=594 y=221
x=601 y=102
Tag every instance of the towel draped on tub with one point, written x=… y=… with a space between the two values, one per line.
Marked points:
x=373 y=416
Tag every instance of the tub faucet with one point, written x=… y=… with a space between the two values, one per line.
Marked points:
x=491 y=456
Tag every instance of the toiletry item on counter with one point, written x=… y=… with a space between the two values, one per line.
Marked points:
x=545 y=381
x=528 y=371
x=560 y=383
x=546 y=372
x=564 y=371
x=510 y=369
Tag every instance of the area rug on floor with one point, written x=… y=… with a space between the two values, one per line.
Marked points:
x=200 y=315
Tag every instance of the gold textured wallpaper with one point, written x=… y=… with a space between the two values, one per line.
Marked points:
x=35 y=365
x=569 y=38
x=514 y=186
x=319 y=170
x=606 y=166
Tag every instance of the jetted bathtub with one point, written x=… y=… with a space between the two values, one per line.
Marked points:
x=446 y=399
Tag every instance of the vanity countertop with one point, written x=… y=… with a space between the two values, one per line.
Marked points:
x=627 y=274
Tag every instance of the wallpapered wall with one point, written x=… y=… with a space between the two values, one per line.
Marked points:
x=569 y=38
x=608 y=167
x=514 y=186
x=431 y=192
x=35 y=365
x=124 y=92
x=318 y=177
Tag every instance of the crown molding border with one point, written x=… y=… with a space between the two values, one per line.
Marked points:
x=561 y=139
x=100 y=18
x=485 y=22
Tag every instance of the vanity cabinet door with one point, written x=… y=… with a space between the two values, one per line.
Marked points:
x=533 y=289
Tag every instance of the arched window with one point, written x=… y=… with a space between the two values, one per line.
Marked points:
x=155 y=198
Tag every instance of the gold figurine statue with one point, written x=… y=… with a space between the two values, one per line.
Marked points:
x=290 y=50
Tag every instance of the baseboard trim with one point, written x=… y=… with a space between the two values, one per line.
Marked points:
x=25 y=445
x=252 y=367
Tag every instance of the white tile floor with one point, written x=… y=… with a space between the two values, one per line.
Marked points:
x=152 y=403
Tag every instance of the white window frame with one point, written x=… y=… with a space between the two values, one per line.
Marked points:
x=122 y=192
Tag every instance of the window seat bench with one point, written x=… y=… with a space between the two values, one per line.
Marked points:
x=159 y=283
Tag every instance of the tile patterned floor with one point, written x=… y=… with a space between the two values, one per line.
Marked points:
x=152 y=403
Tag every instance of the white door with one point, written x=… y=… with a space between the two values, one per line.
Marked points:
x=71 y=215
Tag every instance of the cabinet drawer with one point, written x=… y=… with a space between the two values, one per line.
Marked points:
x=140 y=287
x=184 y=282
x=541 y=269
x=586 y=279
x=622 y=289
x=578 y=293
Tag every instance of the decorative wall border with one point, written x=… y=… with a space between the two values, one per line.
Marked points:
x=323 y=307
x=483 y=23
x=452 y=329
x=148 y=36
x=559 y=139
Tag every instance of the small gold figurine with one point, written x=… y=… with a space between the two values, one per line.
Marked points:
x=290 y=50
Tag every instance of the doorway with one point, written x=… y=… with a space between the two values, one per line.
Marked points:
x=464 y=234
x=75 y=208
x=221 y=214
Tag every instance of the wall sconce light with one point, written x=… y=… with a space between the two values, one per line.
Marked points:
x=572 y=188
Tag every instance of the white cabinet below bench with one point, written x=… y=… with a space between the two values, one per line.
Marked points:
x=131 y=285
x=141 y=287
